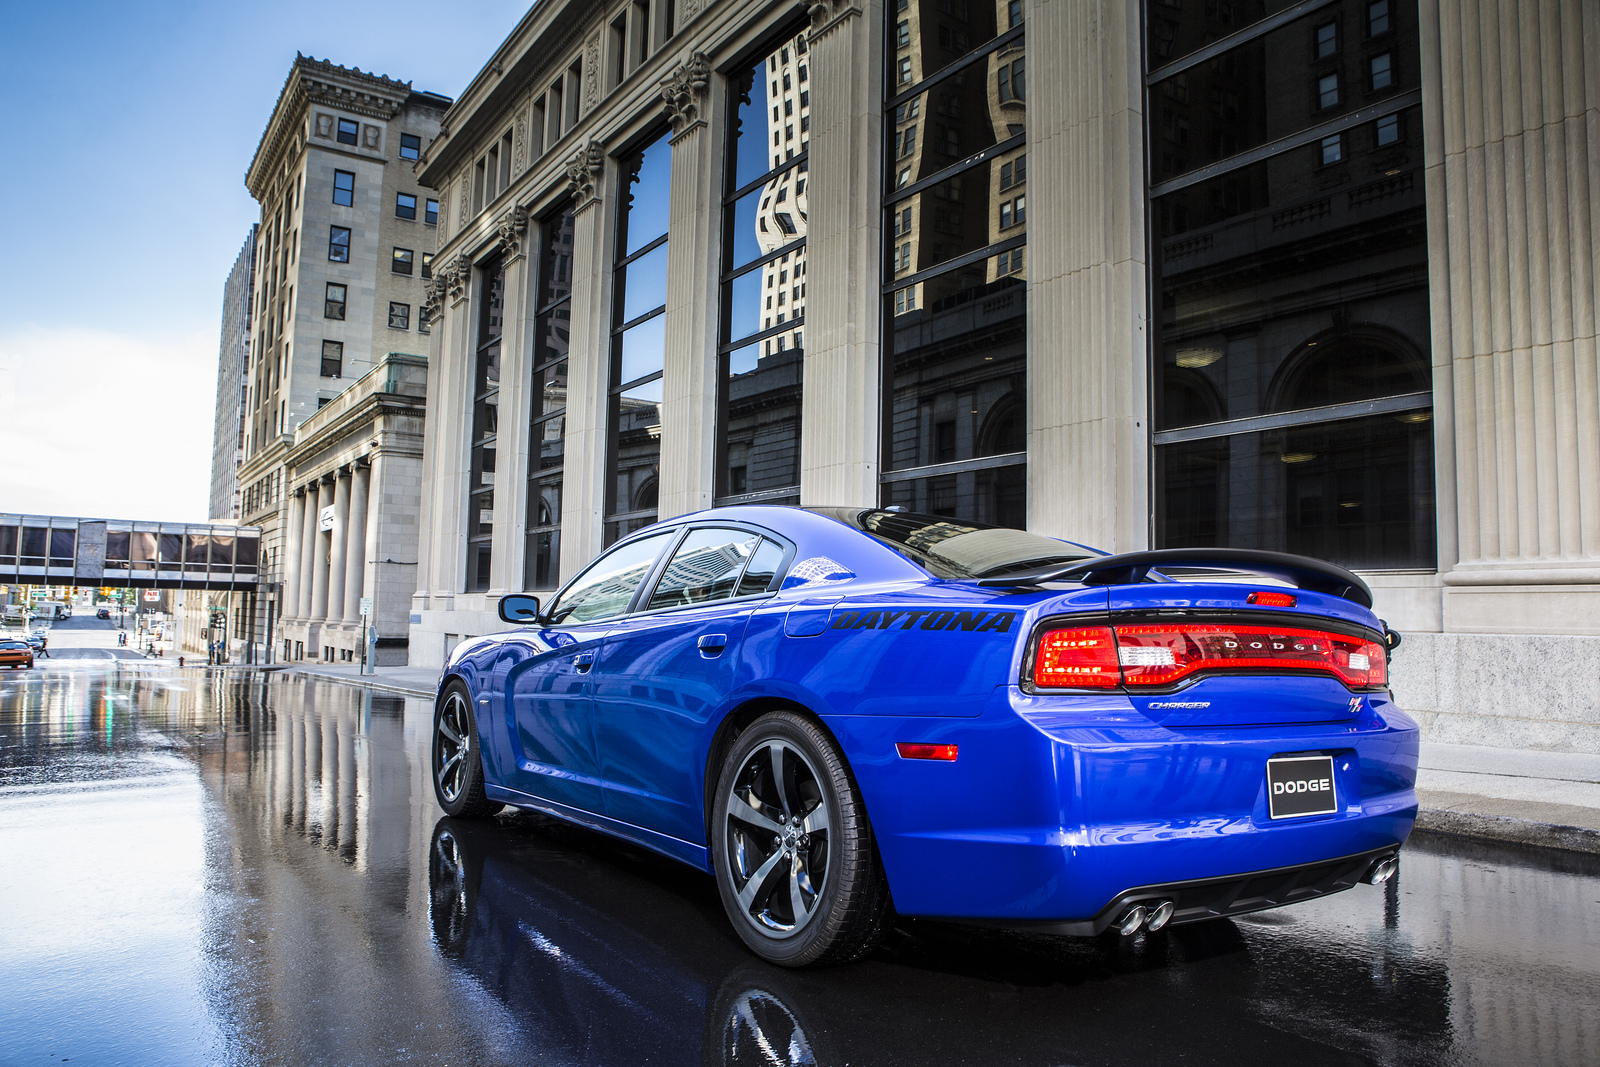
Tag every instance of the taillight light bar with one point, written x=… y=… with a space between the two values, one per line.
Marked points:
x=1160 y=654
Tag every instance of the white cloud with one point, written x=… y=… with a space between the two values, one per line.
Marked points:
x=104 y=425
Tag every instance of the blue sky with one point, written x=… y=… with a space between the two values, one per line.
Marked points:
x=129 y=129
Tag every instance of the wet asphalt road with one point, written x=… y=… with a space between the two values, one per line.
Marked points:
x=252 y=870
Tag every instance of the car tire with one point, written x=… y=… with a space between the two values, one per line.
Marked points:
x=455 y=761
x=769 y=848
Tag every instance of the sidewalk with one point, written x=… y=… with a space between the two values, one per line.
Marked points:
x=1548 y=799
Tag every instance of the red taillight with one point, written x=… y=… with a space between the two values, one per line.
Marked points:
x=1086 y=657
x=918 y=750
x=1143 y=656
x=1272 y=600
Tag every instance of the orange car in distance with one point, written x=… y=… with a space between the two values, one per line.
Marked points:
x=15 y=655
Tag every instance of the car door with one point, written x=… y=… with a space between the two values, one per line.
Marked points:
x=548 y=693
x=666 y=670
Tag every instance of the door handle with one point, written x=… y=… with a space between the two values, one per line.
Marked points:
x=583 y=661
x=713 y=644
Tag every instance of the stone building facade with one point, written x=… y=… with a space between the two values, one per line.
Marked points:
x=1314 y=277
x=233 y=386
x=344 y=252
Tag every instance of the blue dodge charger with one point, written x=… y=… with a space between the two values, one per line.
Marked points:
x=847 y=713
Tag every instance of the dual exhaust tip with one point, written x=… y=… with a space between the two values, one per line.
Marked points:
x=1152 y=916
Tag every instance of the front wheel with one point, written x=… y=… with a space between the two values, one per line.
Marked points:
x=796 y=866
x=456 y=762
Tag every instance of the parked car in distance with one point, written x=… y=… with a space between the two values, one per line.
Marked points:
x=102 y=613
x=15 y=654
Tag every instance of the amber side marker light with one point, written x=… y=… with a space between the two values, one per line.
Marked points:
x=1272 y=600
x=917 y=750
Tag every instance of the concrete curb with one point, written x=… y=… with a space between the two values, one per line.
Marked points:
x=375 y=684
x=1505 y=828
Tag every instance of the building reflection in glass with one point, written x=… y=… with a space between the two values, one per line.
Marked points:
x=955 y=266
x=764 y=276
x=1291 y=338
x=547 y=429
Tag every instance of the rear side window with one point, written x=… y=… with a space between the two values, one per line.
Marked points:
x=762 y=570
x=706 y=567
x=607 y=587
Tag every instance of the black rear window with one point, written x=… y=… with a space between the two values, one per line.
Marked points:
x=960 y=548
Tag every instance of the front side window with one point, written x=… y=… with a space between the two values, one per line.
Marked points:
x=410 y=146
x=432 y=216
x=607 y=587
x=401 y=261
x=706 y=566
x=427 y=265
x=344 y=188
x=339 y=244
x=954 y=283
x=399 y=316
x=1381 y=71
x=332 y=359
x=333 y=301
x=405 y=206
x=765 y=283
x=1328 y=91
x=485 y=426
x=638 y=340
x=348 y=129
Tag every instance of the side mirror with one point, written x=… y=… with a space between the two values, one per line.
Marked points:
x=519 y=609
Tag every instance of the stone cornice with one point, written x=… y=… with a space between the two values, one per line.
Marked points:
x=318 y=81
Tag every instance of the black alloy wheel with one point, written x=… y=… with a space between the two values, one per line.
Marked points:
x=796 y=865
x=456 y=762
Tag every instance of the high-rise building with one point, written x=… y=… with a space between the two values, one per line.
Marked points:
x=233 y=355
x=343 y=255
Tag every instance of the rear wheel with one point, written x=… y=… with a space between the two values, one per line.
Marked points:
x=456 y=762
x=796 y=866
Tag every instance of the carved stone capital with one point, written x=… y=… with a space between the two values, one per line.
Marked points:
x=682 y=90
x=828 y=15
x=434 y=295
x=584 y=169
x=459 y=272
x=512 y=227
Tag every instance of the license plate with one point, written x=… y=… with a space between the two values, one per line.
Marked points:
x=1300 y=785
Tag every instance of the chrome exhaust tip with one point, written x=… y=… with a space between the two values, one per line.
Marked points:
x=1131 y=920
x=1160 y=916
x=1382 y=871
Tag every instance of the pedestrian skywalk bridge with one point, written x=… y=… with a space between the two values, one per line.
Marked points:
x=54 y=550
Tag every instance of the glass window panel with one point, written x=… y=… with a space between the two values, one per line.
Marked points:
x=643 y=349
x=555 y=270
x=761 y=431
x=954 y=119
x=643 y=285
x=995 y=495
x=550 y=389
x=480 y=519
x=551 y=436
x=958 y=375
x=705 y=567
x=1357 y=491
x=34 y=539
x=116 y=544
x=196 y=549
x=62 y=544
x=1275 y=294
x=1257 y=92
x=607 y=586
x=939 y=32
x=483 y=467
x=636 y=414
x=221 y=551
x=171 y=551
x=552 y=334
x=143 y=546
x=747 y=296
x=752 y=157
x=544 y=536
x=648 y=182
x=1175 y=30
x=762 y=569
x=249 y=553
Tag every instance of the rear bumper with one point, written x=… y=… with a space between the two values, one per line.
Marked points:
x=1059 y=815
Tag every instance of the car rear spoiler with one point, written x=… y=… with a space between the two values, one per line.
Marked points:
x=1302 y=572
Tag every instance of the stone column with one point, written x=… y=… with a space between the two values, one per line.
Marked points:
x=372 y=581
x=1511 y=101
x=338 y=543
x=308 y=554
x=294 y=520
x=319 y=570
x=840 y=418
x=583 y=489
x=1088 y=445
x=689 y=381
x=355 y=552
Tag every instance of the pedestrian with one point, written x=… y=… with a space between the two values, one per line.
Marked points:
x=44 y=647
x=180 y=661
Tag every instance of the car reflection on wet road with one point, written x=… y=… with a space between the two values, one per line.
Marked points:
x=252 y=869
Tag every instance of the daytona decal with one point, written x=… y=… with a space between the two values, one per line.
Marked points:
x=972 y=621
